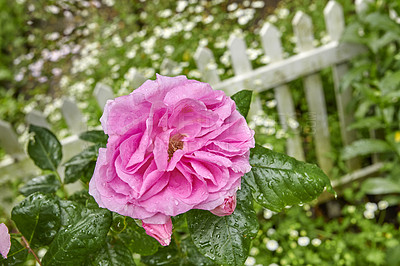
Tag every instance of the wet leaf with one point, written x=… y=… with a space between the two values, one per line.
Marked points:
x=278 y=180
x=136 y=239
x=85 y=234
x=95 y=136
x=37 y=218
x=226 y=240
x=44 y=183
x=44 y=149
x=114 y=253
x=81 y=166
x=243 y=100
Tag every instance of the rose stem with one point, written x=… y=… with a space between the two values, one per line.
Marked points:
x=30 y=250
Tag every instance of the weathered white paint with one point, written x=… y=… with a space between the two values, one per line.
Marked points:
x=9 y=140
x=273 y=49
x=36 y=118
x=205 y=62
x=73 y=116
x=303 y=31
x=103 y=93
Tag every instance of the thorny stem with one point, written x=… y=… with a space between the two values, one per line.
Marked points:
x=31 y=251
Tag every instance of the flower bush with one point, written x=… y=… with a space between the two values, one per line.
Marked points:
x=174 y=145
x=174 y=156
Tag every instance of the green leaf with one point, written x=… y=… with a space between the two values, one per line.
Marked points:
x=136 y=239
x=70 y=212
x=226 y=240
x=44 y=149
x=95 y=136
x=81 y=165
x=278 y=180
x=37 y=218
x=165 y=256
x=378 y=186
x=44 y=183
x=114 y=253
x=389 y=82
x=383 y=22
x=192 y=254
x=243 y=100
x=86 y=234
x=364 y=147
x=371 y=122
x=16 y=256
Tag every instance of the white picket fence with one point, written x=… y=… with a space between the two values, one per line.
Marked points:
x=306 y=64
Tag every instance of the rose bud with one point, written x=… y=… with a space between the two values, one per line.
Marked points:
x=226 y=208
x=161 y=232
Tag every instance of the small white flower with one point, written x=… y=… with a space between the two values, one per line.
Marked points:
x=272 y=245
x=271 y=104
x=294 y=233
x=383 y=204
x=232 y=7
x=268 y=214
x=254 y=251
x=257 y=4
x=303 y=241
x=250 y=261
x=273 y=264
x=369 y=214
x=271 y=231
x=371 y=206
x=351 y=208
x=316 y=242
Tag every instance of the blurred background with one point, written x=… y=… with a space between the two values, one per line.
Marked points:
x=56 y=49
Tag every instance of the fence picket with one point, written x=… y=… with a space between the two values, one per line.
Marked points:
x=73 y=116
x=138 y=79
x=303 y=30
x=335 y=25
x=273 y=49
x=9 y=140
x=205 y=63
x=242 y=65
x=168 y=67
x=36 y=118
x=103 y=93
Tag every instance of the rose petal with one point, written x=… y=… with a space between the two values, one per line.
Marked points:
x=5 y=240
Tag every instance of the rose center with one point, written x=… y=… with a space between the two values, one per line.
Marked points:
x=175 y=143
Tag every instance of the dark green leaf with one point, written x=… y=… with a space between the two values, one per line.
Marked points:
x=81 y=165
x=70 y=212
x=242 y=100
x=192 y=255
x=44 y=183
x=371 y=122
x=136 y=239
x=227 y=239
x=114 y=253
x=165 y=256
x=95 y=136
x=37 y=218
x=44 y=149
x=364 y=147
x=278 y=180
x=378 y=186
x=86 y=234
x=16 y=256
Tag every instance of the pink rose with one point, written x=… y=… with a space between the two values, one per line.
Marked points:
x=226 y=208
x=174 y=145
x=5 y=241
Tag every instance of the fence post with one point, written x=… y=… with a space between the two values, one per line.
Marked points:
x=335 y=25
x=73 y=116
x=205 y=61
x=138 y=79
x=242 y=65
x=167 y=67
x=36 y=118
x=303 y=30
x=9 y=141
x=103 y=93
x=273 y=49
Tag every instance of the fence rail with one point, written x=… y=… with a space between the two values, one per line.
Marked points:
x=306 y=64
